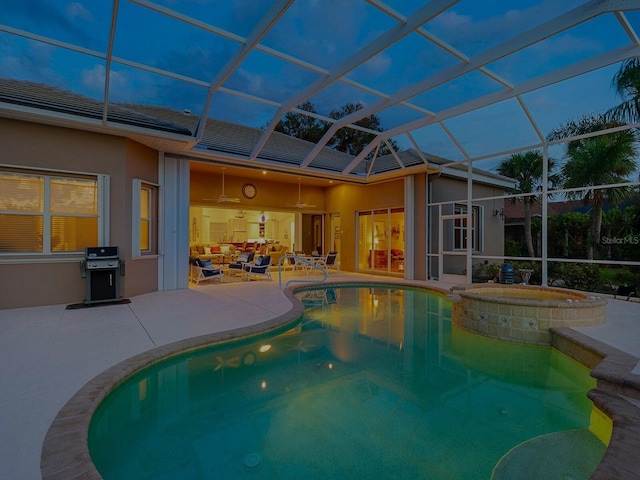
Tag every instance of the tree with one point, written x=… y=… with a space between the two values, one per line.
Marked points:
x=305 y=127
x=627 y=84
x=595 y=161
x=352 y=141
x=347 y=140
x=526 y=169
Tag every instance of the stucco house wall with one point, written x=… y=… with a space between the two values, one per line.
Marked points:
x=454 y=190
x=31 y=280
x=348 y=200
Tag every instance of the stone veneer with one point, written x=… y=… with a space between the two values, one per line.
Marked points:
x=523 y=313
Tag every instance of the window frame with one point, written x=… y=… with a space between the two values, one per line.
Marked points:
x=49 y=175
x=459 y=232
x=137 y=218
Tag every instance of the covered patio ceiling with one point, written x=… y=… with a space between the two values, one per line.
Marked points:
x=461 y=80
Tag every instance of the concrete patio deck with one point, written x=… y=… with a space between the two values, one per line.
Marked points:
x=48 y=353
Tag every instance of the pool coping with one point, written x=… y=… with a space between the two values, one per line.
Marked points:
x=65 y=451
x=617 y=394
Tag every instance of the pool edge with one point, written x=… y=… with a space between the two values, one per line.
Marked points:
x=65 y=453
x=616 y=390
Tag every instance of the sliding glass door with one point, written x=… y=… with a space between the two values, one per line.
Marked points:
x=381 y=240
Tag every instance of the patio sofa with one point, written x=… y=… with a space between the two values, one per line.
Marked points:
x=275 y=250
x=217 y=253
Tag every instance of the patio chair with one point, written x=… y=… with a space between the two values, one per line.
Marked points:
x=627 y=290
x=235 y=268
x=201 y=270
x=299 y=264
x=261 y=267
x=329 y=261
x=319 y=297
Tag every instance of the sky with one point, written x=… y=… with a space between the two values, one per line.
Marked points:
x=319 y=35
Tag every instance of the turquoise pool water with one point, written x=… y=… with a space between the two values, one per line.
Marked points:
x=373 y=382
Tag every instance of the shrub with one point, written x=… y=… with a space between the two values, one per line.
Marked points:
x=483 y=272
x=578 y=276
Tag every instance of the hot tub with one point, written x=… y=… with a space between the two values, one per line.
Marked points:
x=523 y=313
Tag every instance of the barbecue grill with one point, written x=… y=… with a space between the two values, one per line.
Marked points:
x=102 y=267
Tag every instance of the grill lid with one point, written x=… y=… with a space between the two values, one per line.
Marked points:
x=101 y=252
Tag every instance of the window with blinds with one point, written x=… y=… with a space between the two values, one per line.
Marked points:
x=144 y=215
x=42 y=213
x=145 y=219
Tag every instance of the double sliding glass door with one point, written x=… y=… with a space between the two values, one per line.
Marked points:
x=381 y=240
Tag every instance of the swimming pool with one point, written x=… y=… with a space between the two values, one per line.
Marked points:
x=373 y=381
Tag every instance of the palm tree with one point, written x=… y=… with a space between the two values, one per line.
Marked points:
x=526 y=169
x=595 y=161
x=627 y=85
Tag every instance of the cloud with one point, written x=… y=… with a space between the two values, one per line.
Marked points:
x=93 y=80
x=28 y=60
x=254 y=83
x=452 y=21
x=379 y=64
x=76 y=11
x=481 y=27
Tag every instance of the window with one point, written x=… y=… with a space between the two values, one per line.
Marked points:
x=48 y=213
x=144 y=214
x=460 y=228
x=145 y=219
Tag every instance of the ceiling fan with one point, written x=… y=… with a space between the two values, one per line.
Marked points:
x=223 y=198
x=299 y=203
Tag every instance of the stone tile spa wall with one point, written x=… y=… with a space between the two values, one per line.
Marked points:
x=523 y=313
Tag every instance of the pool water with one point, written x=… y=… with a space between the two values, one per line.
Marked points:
x=372 y=382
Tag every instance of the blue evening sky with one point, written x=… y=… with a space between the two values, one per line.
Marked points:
x=182 y=59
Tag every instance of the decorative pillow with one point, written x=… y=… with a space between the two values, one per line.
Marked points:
x=226 y=249
x=200 y=249
x=209 y=266
x=205 y=263
x=259 y=260
x=215 y=249
x=243 y=257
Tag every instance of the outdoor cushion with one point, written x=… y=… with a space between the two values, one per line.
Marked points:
x=242 y=259
x=206 y=264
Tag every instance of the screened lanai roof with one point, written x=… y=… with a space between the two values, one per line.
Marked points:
x=211 y=79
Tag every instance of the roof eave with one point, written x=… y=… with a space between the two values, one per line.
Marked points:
x=60 y=119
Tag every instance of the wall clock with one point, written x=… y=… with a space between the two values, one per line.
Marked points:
x=249 y=190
